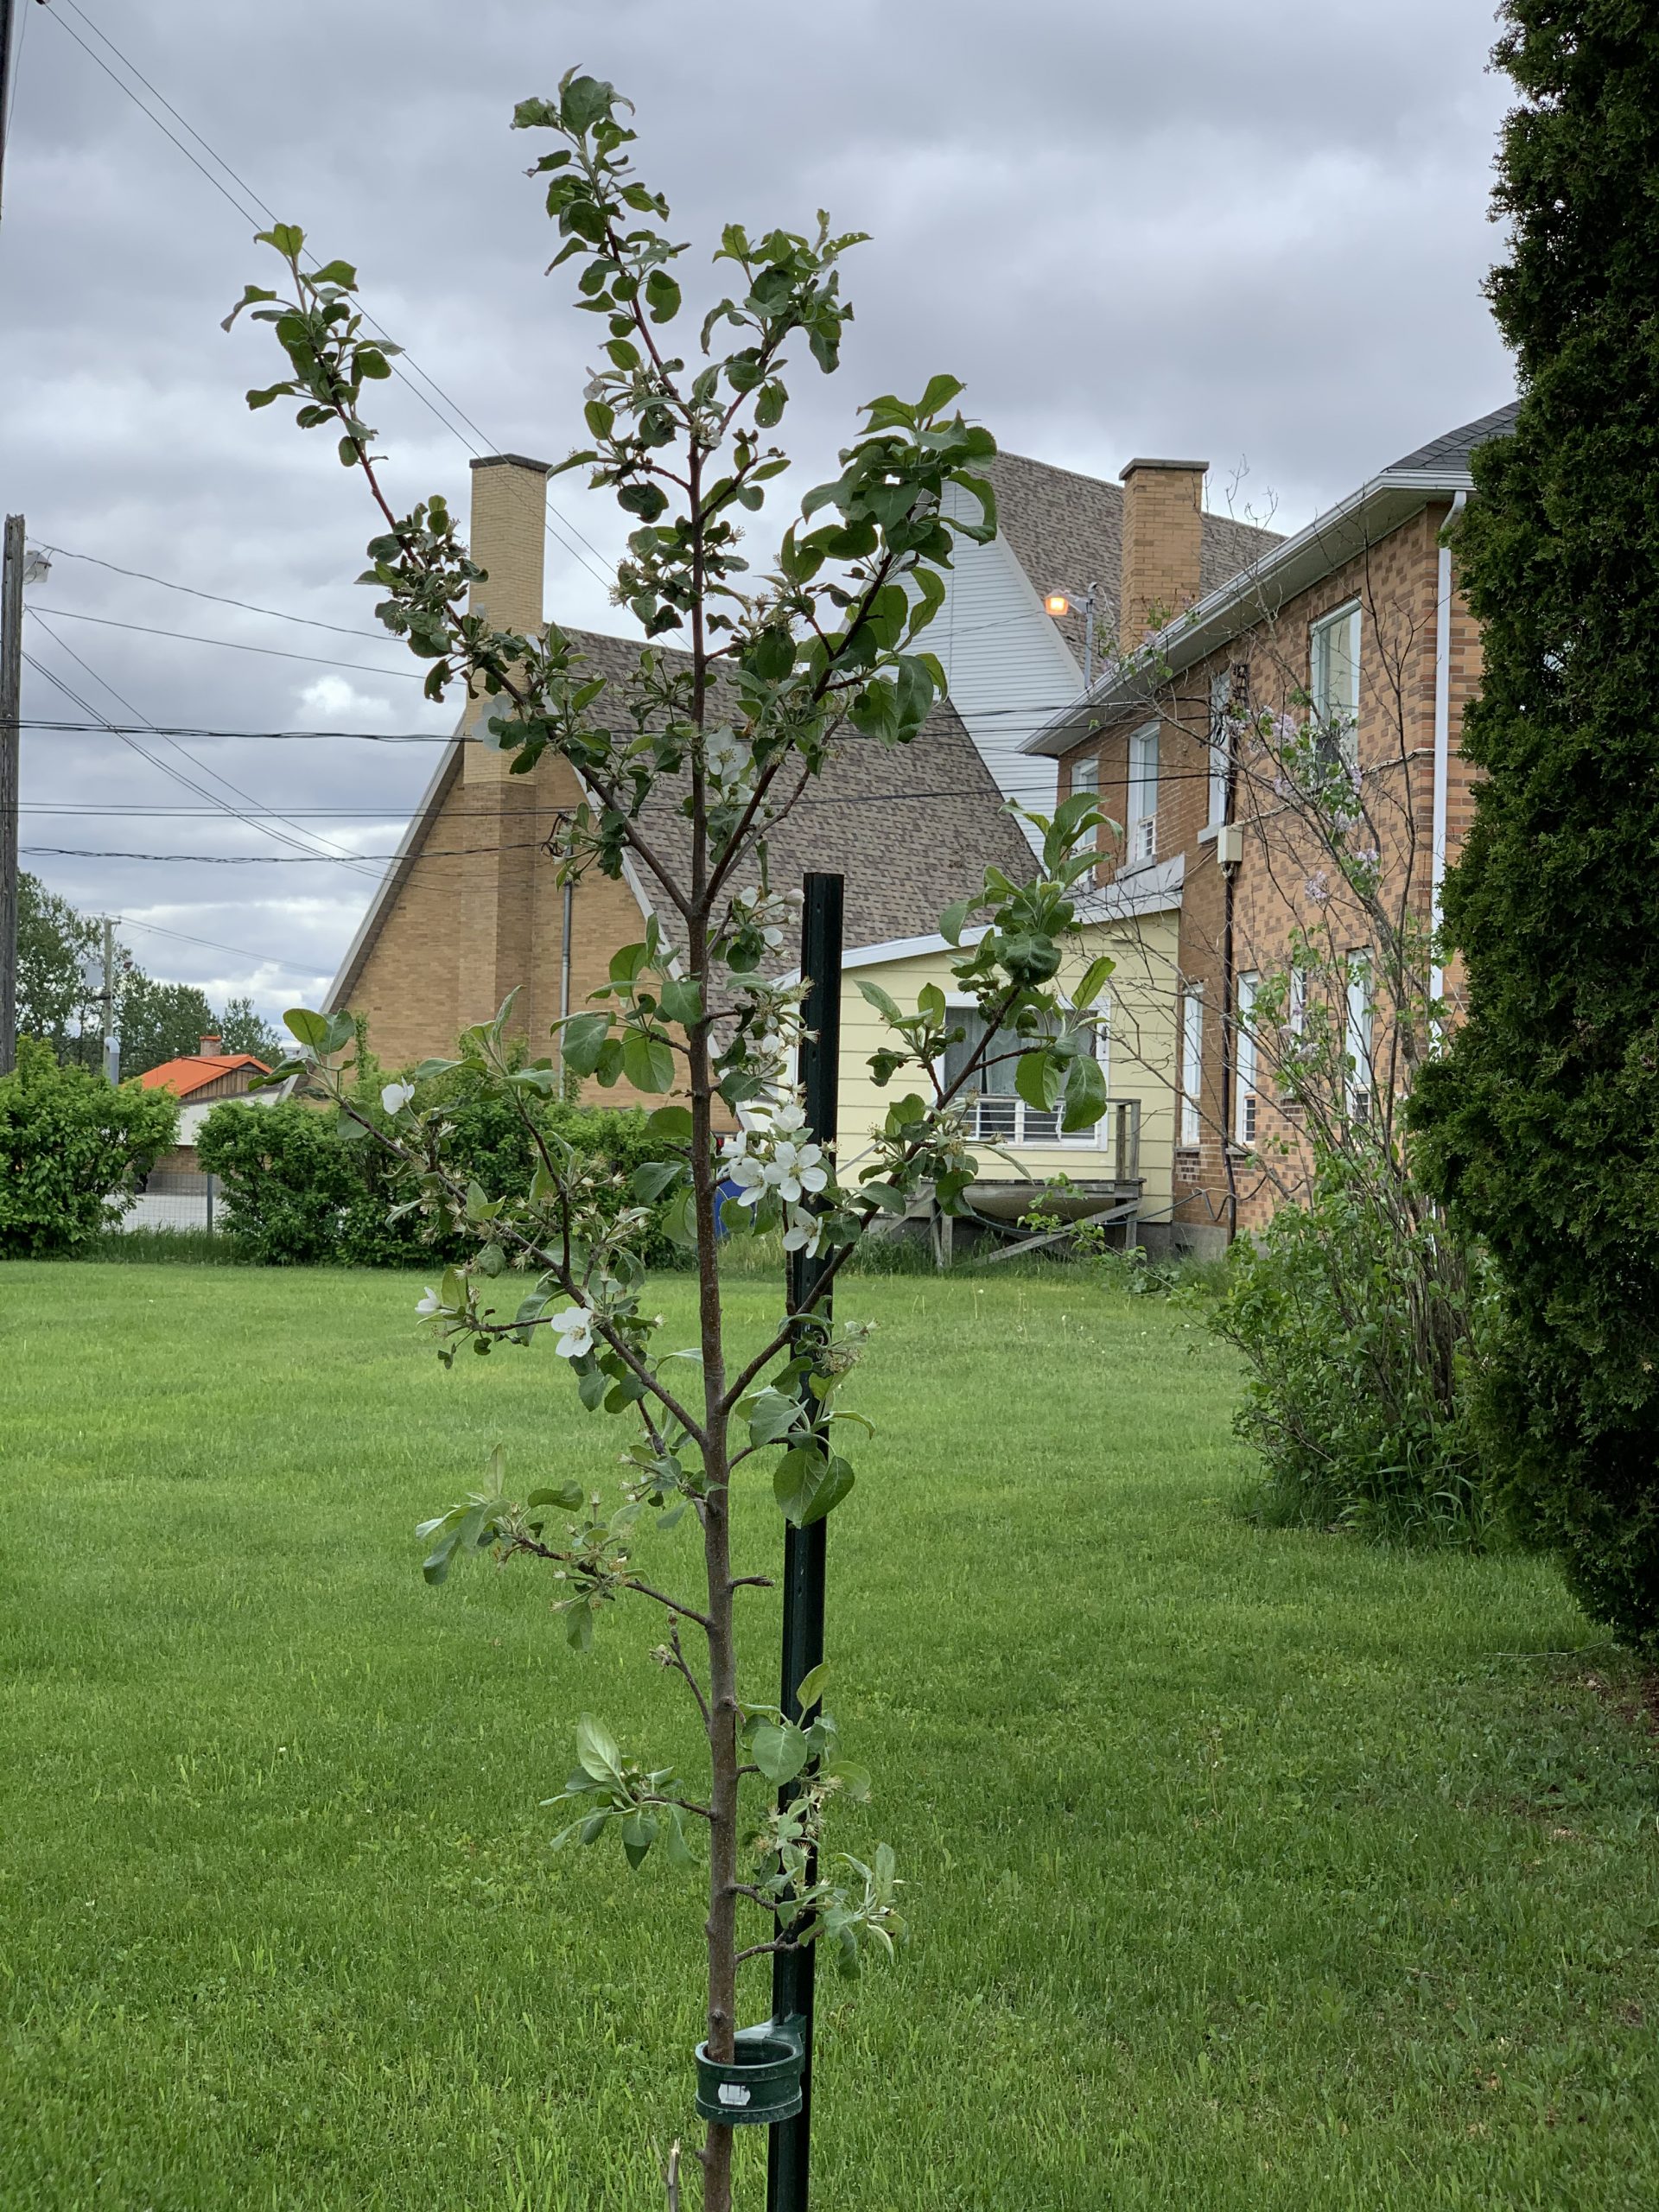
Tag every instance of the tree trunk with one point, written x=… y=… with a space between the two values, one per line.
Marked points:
x=720 y=1925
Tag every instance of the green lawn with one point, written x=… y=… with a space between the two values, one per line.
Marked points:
x=1250 y=1872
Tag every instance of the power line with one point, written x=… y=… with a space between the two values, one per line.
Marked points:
x=277 y=613
x=128 y=739
x=406 y=362
x=231 y=644
x=265 y=959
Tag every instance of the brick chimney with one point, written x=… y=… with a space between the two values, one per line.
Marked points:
x=500 y=813
x=211 y=1048
x=1163 y=526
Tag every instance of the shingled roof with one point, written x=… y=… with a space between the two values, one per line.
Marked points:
x=911 y=827
x=1066 y=532
x=1452 y=448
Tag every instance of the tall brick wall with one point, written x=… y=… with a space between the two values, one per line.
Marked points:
x=480 y=911
x=1278 y=886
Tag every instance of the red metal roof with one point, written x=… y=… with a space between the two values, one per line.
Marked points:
x=194 y=1071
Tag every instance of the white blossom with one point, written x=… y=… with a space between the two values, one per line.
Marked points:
x=396 y=1096
x=576 y=1328
x=431 y=1304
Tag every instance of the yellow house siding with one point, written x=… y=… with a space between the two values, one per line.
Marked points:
x=1139 y=1056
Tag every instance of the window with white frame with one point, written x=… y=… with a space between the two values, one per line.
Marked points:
x=1143 y=794
x=1221 y=747
x=1333 y=684
x=1357 y=1041
x=1296 y=1003
x=1191 y=1063
x=996 y=1113
x=1244 y=1103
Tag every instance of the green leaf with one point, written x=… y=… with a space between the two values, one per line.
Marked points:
x=854 y=1781
x=670 y=1124
x=810 y=1688
x=680 y=1220
x=1086 y=1095
x=773 y=1414
x=662 y=296
x=311 y=1029
x=883 y=1001
x=1037 y=1079
x=779 y=1752
x=591 y=1386
x=598 y=1753
x=647 y=1061
x=653 y=1176
x=954 y=920
x=1093 y=982
x=638 y=1834
x=674 y=1842
x=681 y=1001
x=941 y=390
x=582 y=1040
x=568 y=1497
x=809 y=1483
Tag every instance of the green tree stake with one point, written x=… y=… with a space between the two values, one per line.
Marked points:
x=789 y=2147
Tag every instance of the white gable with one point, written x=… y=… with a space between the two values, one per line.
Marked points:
x=1009 y=668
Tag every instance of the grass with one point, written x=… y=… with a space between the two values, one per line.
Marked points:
x=1252 y=1871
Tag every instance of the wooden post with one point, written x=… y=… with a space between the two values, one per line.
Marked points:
x=11 y=697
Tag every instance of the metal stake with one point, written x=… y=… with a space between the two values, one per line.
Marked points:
x=789 y=2145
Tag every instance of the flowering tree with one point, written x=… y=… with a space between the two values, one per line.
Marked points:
x=730 y=732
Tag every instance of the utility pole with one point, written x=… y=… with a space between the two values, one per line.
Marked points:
x=11 y=695
x=111 y=1039
x=5 y=85
x=789 y=2141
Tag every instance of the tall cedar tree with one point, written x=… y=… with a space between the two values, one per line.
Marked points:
x=1542 y=1126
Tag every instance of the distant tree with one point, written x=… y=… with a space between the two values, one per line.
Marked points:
x=241 y=1030
x=1543 y=1124
x=55 y=944
x=160 y=1021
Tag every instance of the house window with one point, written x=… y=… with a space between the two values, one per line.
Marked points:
x=996 y=1113
x=1244 y=1062
x=1221 y=747
x=1333 y=685
x=1191 y=1063
x=1143 y=794
x=1296 y=1003
x=1357 y=1043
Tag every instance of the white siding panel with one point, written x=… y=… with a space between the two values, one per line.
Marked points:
x=1008 y=665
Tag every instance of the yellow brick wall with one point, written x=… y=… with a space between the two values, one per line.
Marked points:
x=1163 y=542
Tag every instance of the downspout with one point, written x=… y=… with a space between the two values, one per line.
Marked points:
x=1442 y=740
x=1228 y=1041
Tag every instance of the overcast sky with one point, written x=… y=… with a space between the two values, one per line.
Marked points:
x=1256 y=236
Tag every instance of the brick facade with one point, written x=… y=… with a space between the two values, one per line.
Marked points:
x=1283 y=881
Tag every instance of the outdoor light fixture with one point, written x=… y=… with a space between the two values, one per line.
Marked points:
x=1058 y=604
x=37 y=566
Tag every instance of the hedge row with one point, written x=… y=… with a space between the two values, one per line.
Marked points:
x=295 y=1192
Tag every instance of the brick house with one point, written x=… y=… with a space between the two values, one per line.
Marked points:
x=471 y=909
x=176 y=1193
x=1352 y=631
